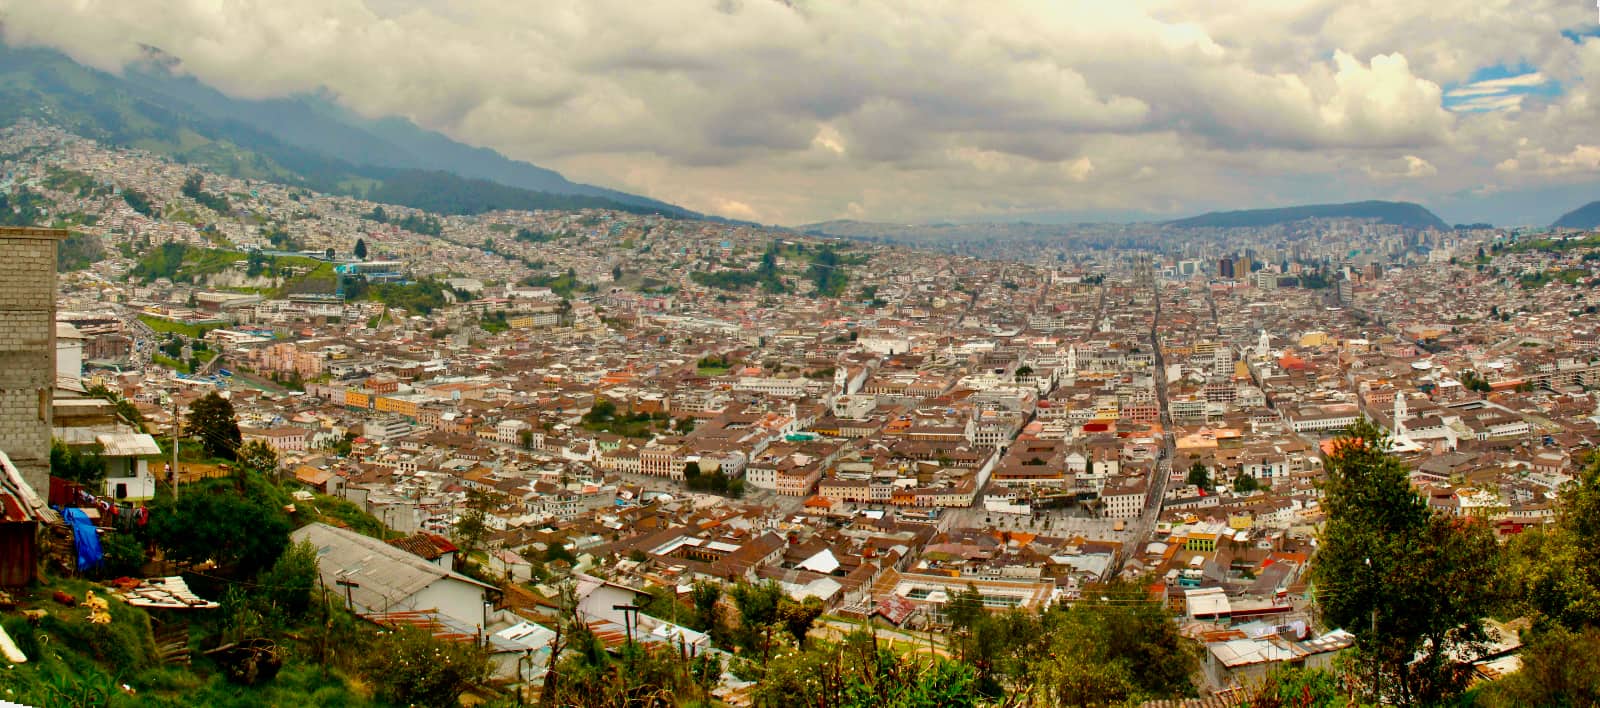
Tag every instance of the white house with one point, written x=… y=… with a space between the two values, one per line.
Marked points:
x=383 y=579
x=128 y=476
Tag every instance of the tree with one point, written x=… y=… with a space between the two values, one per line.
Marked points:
x=1408 y=584
x=1199 y=476
x=965 y=609
x=259 y=457
x=525 y=438
x=292 y=579
x=616 y=272
x=758 y=612
x=471 y=527
x=84 y=467
x=1559 y=668
x=856 y=673
x=214 y=522
x=704 y=595
x=1245 y=484
x=360 y=250
x=797 y=617
x=211 y=418
x=1553 y=574
x=409 y=666
x=1298 y=687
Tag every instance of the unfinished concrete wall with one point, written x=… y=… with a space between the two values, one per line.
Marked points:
x=27 y=348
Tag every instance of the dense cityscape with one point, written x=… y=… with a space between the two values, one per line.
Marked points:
x=273 y=441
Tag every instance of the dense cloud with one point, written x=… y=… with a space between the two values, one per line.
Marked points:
x=921 y=109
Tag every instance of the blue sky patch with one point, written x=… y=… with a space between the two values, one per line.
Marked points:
x=1499 y=88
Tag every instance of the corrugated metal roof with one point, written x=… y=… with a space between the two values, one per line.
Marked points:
x=127 y=444
x=387 y=576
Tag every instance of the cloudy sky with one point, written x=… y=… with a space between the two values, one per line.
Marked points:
x=792 y=111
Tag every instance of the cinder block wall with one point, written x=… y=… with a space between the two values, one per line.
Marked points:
x=27 y=348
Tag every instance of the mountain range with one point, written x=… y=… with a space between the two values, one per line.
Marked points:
x=1584 y=217
x=1406 y=214
x=306 y=140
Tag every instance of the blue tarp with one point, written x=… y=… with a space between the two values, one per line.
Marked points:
x=85 y=537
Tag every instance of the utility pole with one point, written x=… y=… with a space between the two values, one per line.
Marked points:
x=1377 y=666
x=177 y=423
x=630 y=614
x=347 y=585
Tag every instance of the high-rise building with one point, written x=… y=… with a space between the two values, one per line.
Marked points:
x=1225 y=268
x=28 y=348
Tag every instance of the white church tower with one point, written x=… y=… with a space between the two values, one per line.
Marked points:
x=1400 y=413
x=1264 y=345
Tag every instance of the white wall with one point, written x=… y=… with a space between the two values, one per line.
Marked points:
x=451 y=597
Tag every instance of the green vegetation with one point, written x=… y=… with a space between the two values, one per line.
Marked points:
x=604 y=417
x=22 y=207
x=445 y=193
x=269 y=593
x=423 y=224
x=528 y=236
x=166 y=326
x=1569 y=276
x=494 y=322
x=185 y=264
x=733 y=280
x=1408 y=583
x=194 y=188
x=1199 y=476
x=416 y=669
x=714 y=482
x=82 y=466
x=1475 y=382
x=565 y=284
x=170 y=362
x=1552 y=246
x=420 y=297
x=827 y=273
x=74 y=182
x=212 y=420
x=138 y=202
x=714 y=365
x=78 y=251
x=1118 y=645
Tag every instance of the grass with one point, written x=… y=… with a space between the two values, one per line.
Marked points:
x=75 y=663
x=169 y=362
x=712 y=370
x=166 y=326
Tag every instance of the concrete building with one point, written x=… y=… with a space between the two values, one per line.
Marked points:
x=28 y=348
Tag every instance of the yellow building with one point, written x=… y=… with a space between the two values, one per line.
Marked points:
x=1314 y=339
x=1201 y=542
x=399 y=405
x=357 y=398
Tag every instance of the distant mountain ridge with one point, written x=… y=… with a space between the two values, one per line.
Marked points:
x=304 y=140
x=1584 y=217
x=1406 y=214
